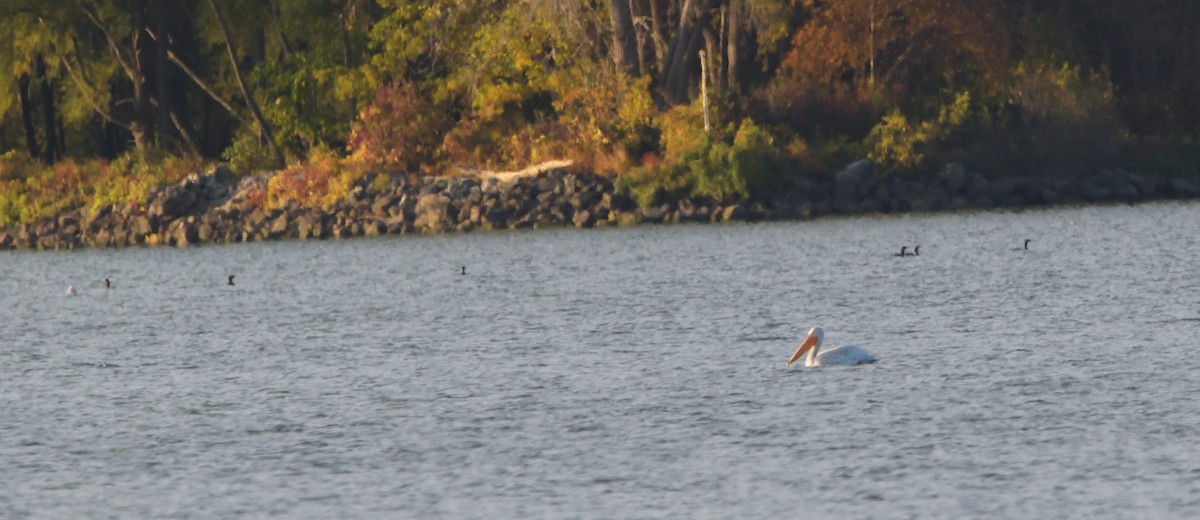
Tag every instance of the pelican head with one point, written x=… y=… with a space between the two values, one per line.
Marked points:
x=811 y=342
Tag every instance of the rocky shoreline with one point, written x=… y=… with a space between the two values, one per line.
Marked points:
x=216 y=207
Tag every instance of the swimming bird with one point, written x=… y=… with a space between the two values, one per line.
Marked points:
x=844 y=355
x=917 y=251
x=70 y=290
x=903 y=251
x=107 y=285
x=230 y=282
x=1027 y=244
x=464 y=270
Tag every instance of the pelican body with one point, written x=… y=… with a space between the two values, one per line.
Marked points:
x=846 y=355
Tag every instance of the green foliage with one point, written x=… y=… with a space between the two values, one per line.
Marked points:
x=319 y=182
x=248 y=153
x=740 y=164
x=1179 y=157
x=30 y=190
x=899 y=145
x=1068 y=116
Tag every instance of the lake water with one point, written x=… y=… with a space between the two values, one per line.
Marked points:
x=623 y=373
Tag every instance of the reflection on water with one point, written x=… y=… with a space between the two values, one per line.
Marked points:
x=616 y=373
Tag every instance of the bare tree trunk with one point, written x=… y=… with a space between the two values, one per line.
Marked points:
x=51 y=153
x=658 y=27
x=684 y=50
x=624 y=45
x=733 y=29
x=27 y=116
x=262 y=122
x=141 y=93
x=163 y=111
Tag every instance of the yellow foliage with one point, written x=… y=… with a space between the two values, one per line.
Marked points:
x=897 y=144
x=319 y=182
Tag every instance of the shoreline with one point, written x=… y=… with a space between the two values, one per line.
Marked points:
x=218 y=208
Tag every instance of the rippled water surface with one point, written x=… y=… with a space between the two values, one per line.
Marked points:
x=629 y=373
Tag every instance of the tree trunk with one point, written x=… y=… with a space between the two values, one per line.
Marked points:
x=27 y=116
x=141 y=95
x=624 y=45
x=51 y=153
x=681 y=58
x=658 y=29
x=163 y=120
x=733 y=29
x=262 y=121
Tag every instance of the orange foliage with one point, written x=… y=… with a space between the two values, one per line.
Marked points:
x=398 y=131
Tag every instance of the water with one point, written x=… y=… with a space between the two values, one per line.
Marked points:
x=629 y=373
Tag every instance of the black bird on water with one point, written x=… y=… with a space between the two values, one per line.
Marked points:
x=1027 y=244
x=904 y=251
x=107 y=285
x=464 y=270
x=230 y=282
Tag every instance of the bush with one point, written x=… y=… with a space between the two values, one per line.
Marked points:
x=30 y=190
x=399 y=131
x=319 y=182
x=739 y=166
x=1067 y=116
x=898 y=145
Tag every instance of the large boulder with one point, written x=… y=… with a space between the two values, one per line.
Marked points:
x=852 y=182
x=431 y=213
x=954 y=176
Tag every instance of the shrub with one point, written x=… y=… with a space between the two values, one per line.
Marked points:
x=319 y=182
x=741 y=165
x=1067 y=116
x=30 y=190
x=899 y=145
x=398 y=131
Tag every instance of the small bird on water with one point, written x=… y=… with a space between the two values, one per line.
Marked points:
x=1027 y=243
x=70 y=290
x=230 y=282
x=107 y=285
x=464 y=270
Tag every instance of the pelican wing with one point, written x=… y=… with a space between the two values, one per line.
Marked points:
x=845 y=355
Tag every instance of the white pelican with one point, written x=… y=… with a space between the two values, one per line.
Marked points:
x=844 y=355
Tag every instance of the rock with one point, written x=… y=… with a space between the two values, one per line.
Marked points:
x=583 y=219
x=954 y=176
x=497 y=217
x=432 y=213
x=182 y=233
x=734 y=212
x=1183 y=189
x=977 y=187
x=653 y=215
x=374 y=228
x=383 y=204
x=853 y=181
x=204 y=232
x=278 y=227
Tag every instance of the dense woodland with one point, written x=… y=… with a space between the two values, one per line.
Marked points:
x=717 y=98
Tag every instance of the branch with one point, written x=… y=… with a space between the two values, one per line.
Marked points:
x=81 y=82
x=112 y=43
x=262 y=121
x=197 y=79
